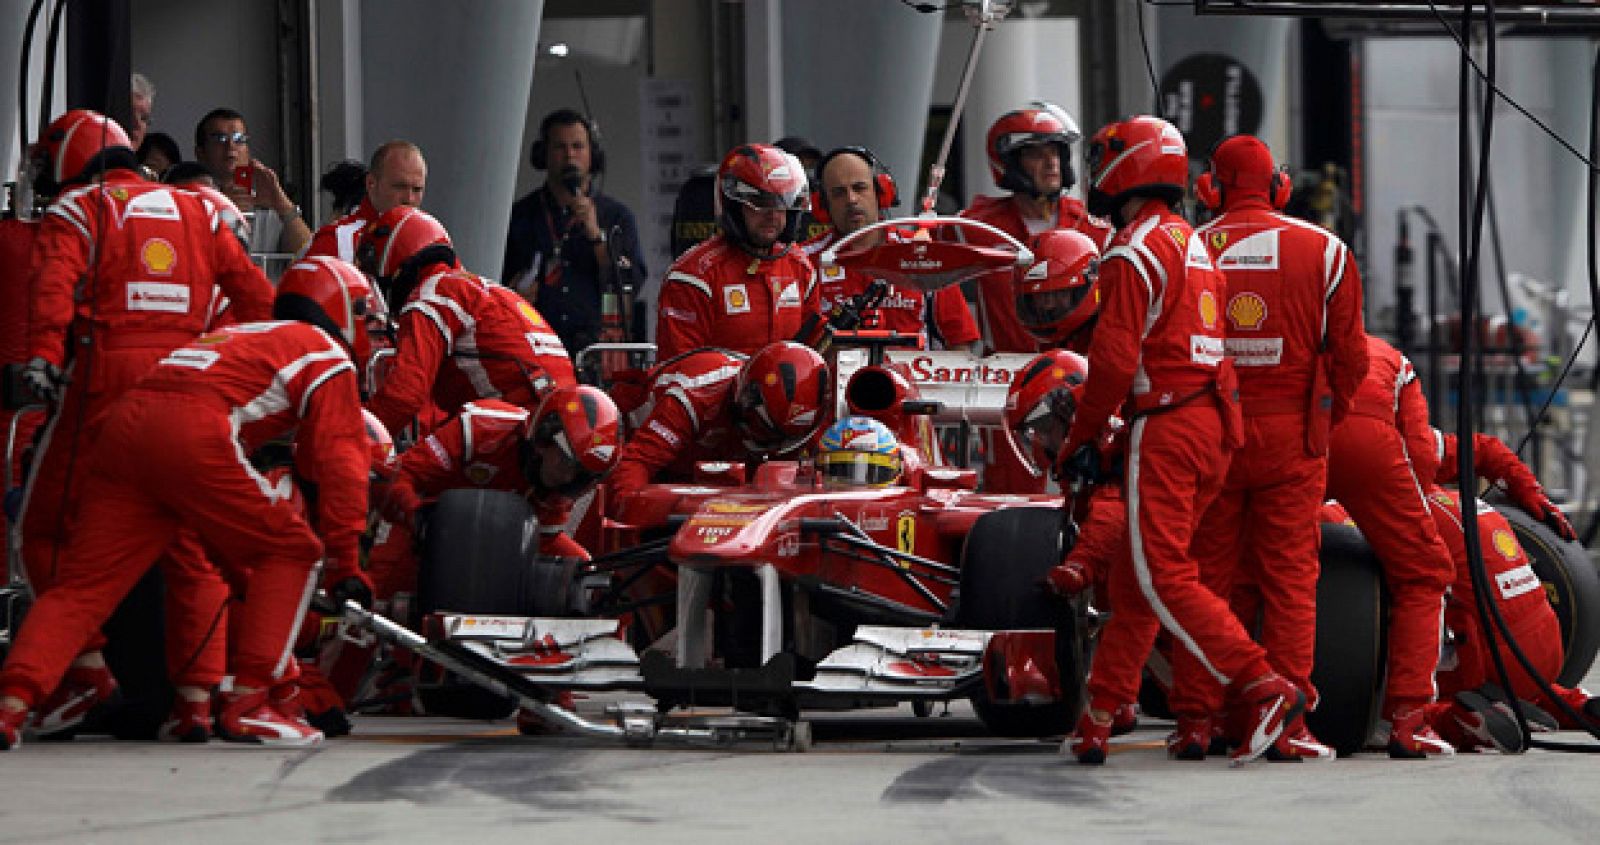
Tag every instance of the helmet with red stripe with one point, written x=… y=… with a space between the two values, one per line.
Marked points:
x=1041 y=404
x=75 y=147
x=1056 y=295
x=780 y=397
x=398 y=246
x=571 y=441
x=1142 y=156
x=333 y=296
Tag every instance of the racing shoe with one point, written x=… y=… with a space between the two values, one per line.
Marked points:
x=1412 y=738
x=1274 y=705
x=1124 y=720
x=1191 y=739
x=81 y=690
x=253 y=717
x=1485 y=723
x=188 y=721
x=1298 y=743
x=530 y=723
x=11 y=724
x=1090 y=739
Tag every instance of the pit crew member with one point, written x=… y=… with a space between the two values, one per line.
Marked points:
x=714 y=405
x=1296 y=340
x=459 y=336
x=854 y=189
x=551 y=455
x=1030 y=155
x=126 y=273
x=747 y=286
x=1158 y=347
x=398 y=176
x=1056 y=298
x=170 y=456
x=1379 y=457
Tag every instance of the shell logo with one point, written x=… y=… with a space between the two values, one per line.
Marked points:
x=1247 y=311
x=529 y=312
x=1505 y=544
x=1219 y=240
x=1179 y=237
x=1208 y=309
x=771 y=379
x=572 y=407
x=737 y=298
x=158 y=256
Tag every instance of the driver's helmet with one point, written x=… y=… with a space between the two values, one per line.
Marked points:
x=583 y=426
x=859 y=452
x=1056 y=295
x=1041 y=404
x=780 y=397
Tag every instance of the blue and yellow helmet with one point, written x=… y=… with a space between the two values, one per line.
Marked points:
x=859 y=452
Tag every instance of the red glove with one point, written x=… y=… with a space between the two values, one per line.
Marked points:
x=1525 y=492
x=1068 y=579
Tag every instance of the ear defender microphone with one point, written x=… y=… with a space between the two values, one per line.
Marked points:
x=883 y=184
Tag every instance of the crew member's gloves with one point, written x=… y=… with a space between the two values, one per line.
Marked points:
x=1083 y=464
x=1068 y=579
x=356 y=587
x=45 y=379
x=1530 y=497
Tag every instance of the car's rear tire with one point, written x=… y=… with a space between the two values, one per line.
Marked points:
x=479 y=556
x=1351 y=652
x=1573 y=586
x=1005 y=559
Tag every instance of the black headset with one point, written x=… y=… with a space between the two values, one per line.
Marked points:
x=539 y=153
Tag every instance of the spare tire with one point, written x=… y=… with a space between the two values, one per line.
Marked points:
x=1352 y=651
x=478 y=555
x=1005 y=559
x=1571 y=583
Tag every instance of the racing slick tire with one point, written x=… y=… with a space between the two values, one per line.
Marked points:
x=1003 y=563
x=1351 y=651
x=478 y=556
x=1573 y=587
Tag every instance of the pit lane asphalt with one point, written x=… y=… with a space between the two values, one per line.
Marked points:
x=873 y=776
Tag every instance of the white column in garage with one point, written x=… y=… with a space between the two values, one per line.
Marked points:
x=856 y=73
x=457 y=85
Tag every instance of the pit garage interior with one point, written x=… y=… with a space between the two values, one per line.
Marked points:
x=1361 y=100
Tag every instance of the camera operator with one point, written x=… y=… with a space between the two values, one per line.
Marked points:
x=568 y=243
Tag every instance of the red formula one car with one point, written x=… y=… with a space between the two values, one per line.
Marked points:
x=774 y=595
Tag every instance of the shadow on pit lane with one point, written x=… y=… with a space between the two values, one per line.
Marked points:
x=537 y=775
x=1019 y=771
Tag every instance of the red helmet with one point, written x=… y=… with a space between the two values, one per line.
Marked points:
x=1041 y=403
x=1044 y=123
x=1142 y=156
x=780 y=397
x=227 y=213
x=1056 y=296
x=394 y=248
x=77 y=145
x=762 y=177
x=581 y=429
x=333 y=296
x=385 y=462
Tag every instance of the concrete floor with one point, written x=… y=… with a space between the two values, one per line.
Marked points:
x=878 y=776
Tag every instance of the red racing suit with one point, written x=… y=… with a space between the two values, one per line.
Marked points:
x=1296 y=340
x=1003 y=331
x=170 y=455
x=716 y=294
x=1159 y=348
x=689 y=419
x=1378 y=458
x=945 y=318
x=338 y=238
x=480 y=447
x=127 y=271
x=463 y=337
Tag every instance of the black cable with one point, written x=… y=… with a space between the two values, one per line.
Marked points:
x=1149 y=66
x=1588 y=160
x=51 y=38
x=22 y=76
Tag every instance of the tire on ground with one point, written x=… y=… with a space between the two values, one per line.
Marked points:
x=1572 y=585
x=478 y=556
x=1351 y=652
x=1003 y=562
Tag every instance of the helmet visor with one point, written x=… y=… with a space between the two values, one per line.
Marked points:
x=1046 y=308
x=849 y=469
x=792 y=199
x=1039 y=436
